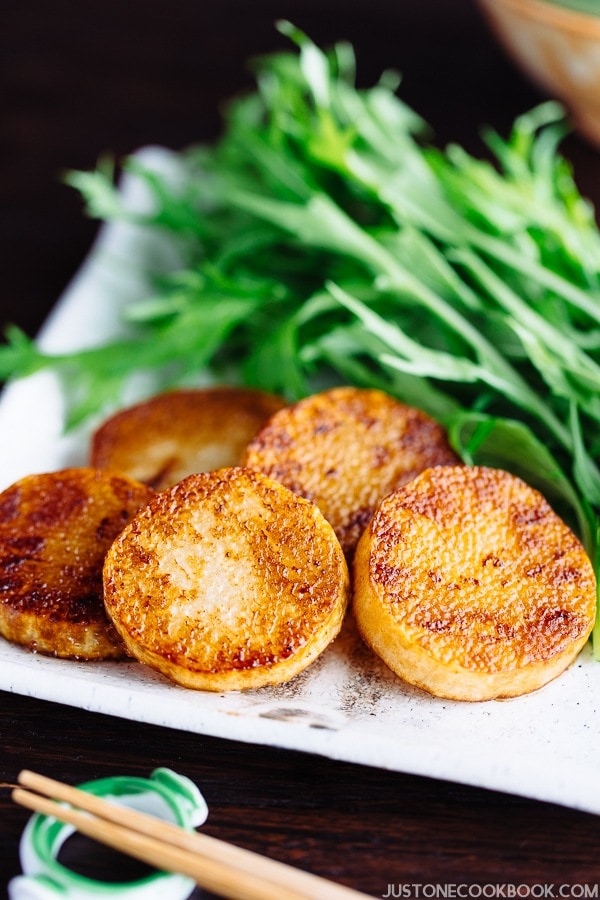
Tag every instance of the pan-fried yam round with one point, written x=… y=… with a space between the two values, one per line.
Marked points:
x=227 y=581
x=468 y=584
x=177 y=433
x=345 y=449
x=55 y=529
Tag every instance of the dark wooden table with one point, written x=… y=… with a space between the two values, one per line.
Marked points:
x=82 y=79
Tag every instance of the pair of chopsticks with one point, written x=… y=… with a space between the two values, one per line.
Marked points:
x=219 y=867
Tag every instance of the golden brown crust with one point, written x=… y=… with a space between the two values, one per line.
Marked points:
x=468 y=585
x=167 y=437
x=55 y=529
x=345 y=449
x=227 y=581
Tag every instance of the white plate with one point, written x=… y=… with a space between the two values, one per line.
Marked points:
x=348 y=705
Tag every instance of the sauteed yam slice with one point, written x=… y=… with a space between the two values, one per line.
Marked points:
x=468 y=584
x=163 y=439
x=345 y=449
x=55 y=529
x=227 y=581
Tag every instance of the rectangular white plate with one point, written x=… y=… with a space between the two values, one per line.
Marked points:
x=348 y=705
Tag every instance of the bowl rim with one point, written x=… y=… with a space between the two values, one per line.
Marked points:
x=551 y=14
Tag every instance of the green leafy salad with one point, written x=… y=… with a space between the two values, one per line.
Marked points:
x=325 y=241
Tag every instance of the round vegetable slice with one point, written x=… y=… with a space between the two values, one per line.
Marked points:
x=468 y=584
x=345 y=449
x=227 y=581
x=55 y=529
x=177 y=433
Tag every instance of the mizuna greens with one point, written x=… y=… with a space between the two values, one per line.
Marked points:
x=323 y=240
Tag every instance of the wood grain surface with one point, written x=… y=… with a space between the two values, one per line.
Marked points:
x=81 y=80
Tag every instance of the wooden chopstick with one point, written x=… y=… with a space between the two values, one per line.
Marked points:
x=222 y=868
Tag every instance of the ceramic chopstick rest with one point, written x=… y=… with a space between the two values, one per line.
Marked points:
x=165 y=794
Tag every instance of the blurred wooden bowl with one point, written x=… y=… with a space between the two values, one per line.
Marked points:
x=558 y=47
